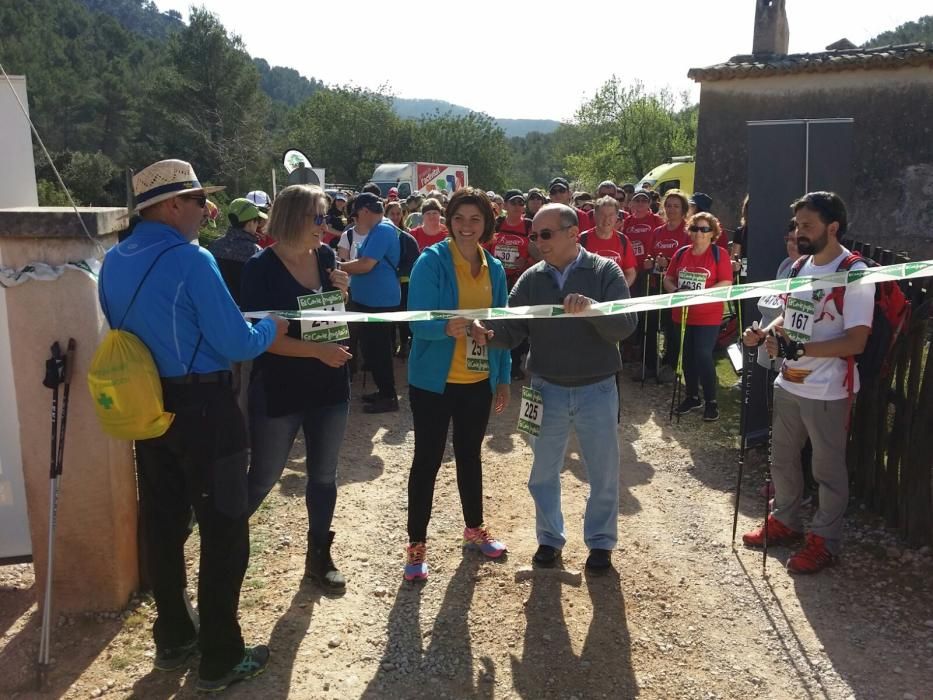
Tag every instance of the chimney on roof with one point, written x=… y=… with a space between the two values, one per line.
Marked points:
x=772 y=33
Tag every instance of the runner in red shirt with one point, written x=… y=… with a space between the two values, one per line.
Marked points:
x=604 y=240
x=639 y=228
x=510 y=243
x=668 y=238
x=699 y=266
x=431 y=230
x=559 y=189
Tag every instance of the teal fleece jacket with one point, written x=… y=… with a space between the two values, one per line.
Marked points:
x=433 y=286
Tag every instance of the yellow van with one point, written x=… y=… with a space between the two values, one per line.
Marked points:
x=677 y=174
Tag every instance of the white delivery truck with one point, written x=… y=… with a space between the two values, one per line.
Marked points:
x=420 y=177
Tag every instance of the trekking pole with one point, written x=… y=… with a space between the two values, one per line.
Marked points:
x=680 y=363
x=57 y=372
x=743 y=422
x=644 y=336
x=769 y=397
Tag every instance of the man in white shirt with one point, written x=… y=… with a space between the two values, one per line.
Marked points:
x=811 y=394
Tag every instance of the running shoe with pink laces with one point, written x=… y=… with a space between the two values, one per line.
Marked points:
x=479 y=538
x=416 y=568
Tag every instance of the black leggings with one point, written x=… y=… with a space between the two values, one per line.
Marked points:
x=699 y=368
x=468 y=405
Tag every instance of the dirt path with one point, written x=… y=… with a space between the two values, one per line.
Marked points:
x=683 y=616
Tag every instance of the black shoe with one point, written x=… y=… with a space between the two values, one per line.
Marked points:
x=370 y=398
x=599 y=560
x=546 y=555
x=517 y=374
x=320 y=568
x=711 y=412
x=688 y=404
x=252 y=664
x=171 y=658
x=382 y=405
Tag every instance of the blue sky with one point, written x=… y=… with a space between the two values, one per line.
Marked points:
x=527 y=60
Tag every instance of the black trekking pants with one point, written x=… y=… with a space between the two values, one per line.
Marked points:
x=199 y=463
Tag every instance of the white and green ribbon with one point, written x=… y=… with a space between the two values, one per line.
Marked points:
x=751 y=290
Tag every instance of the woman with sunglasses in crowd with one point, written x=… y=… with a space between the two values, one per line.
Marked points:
x=451 y=378
x=299 y=384
x=700 y=265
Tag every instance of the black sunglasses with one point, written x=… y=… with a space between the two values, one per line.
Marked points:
x=700 y=229
x=545 y=235
x=558 y=188
x=201 y=199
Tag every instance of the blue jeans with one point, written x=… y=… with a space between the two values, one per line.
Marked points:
x=593 y=412
x=271 y=442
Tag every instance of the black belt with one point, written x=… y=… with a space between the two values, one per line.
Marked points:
x=219 y=377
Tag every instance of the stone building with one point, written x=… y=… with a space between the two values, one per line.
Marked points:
x=888 y=91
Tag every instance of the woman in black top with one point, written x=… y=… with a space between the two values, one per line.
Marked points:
x=302 y=381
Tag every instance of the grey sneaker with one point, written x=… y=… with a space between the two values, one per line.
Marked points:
x=251 y=665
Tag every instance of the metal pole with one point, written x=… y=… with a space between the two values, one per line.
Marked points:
x=743 y=443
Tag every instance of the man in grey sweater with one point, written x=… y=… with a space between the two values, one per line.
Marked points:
x=573 y=362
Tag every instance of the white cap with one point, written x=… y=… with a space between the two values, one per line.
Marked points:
x=259 y=198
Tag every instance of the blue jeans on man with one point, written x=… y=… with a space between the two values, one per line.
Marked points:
x=592 y=410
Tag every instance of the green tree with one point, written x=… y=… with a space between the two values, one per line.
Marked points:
x=91 y=177
x=624 y=131
x=472 y=139
x=207 y=103
x=907 y=33
x=348 y=131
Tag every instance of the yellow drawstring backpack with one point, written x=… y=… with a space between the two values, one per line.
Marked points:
x=124 y=381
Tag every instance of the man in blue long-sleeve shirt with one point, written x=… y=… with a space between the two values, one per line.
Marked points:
x=171 y=295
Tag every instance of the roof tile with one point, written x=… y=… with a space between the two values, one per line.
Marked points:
x=745 y=65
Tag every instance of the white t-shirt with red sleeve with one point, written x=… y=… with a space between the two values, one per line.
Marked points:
x=691 y=271
x=814 y=316
x=617 y=247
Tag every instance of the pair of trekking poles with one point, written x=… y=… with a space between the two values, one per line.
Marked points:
x=58 y=370
x=750 y=353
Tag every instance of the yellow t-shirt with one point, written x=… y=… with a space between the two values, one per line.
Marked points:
x=472 y=293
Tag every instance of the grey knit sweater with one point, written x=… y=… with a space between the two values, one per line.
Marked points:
x=569 y=351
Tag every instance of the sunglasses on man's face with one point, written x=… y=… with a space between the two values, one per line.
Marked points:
x=544 y=234
x=559 y=189
x=700 y=229
x=199 y=199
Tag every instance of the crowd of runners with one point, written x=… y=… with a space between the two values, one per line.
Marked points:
x=241 y=391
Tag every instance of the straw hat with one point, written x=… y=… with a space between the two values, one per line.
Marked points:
x=164 y=180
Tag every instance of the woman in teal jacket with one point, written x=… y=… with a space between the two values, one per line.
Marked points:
x=451 y=378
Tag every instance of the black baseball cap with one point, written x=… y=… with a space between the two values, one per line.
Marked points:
x=558 y=182
x=701 y=201
x=367 y=200
x=514 y=194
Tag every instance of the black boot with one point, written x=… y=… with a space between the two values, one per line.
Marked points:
x=319 y=567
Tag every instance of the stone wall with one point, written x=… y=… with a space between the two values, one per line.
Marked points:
x=892 y=204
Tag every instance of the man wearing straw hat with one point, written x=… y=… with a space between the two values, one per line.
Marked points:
x=171 y=295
